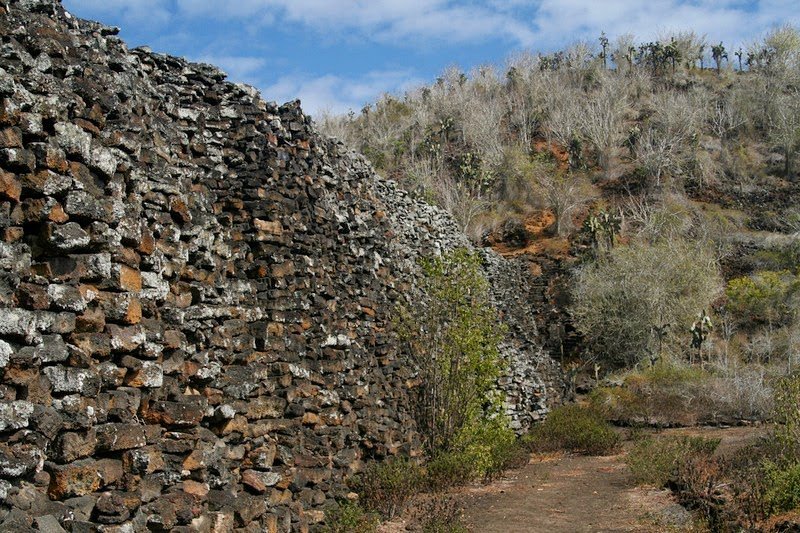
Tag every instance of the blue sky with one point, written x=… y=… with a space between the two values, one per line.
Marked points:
x=340 y=54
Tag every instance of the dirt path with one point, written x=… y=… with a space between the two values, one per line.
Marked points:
x=580 y=494
x=570 y=494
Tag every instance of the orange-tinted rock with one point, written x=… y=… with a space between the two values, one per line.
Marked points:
x=127 y=278
x=10 y=186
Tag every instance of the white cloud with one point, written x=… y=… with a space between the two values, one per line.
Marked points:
x=438 y=26
x=154 y=13
x=395 y=21
x=540 y=24
x=238 y=68
x=561 y=21
x=337 y=94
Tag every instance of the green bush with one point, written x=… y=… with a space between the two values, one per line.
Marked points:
x=763 y=298
x=491 y=446
x=484 y=450
x=348 y=517
x=448 y=469
x=505 y=455
x=386 y=487
x=782 y=487
x=452 y=337
x=574 y=428
x=655 y=461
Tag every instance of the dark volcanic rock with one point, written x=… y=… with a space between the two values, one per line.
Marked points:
x=196 y=294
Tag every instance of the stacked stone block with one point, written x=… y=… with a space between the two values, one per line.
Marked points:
x=196 y=295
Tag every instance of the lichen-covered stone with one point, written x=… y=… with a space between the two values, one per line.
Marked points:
x=5 y=353
x=15 y=414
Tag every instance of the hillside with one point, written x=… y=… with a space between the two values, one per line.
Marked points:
x=560 y=160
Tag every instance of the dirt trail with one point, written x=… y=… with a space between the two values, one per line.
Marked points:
x=580 y=494
x=570 y=494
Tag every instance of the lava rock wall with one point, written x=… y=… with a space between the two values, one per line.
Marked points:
x=196 y=293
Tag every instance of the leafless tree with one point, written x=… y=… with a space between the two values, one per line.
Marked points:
x=602 y=120
x=664 y=146
x=784 y=122
x=725 y=117
x=562 y=122
x=563 y=193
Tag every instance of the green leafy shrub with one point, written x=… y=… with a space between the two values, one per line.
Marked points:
x=483 y=451
x=763 y=298
x=574 y=428
x=503 y=455
x=348 y=517
x=448 y=469
x=655 y=461
x=782 y=487
x=491 y=446
x=386 y=487
x=452 y=337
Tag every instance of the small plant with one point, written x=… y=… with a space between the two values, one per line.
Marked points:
x=574 y=428
x=782 y=487
x=387 y=487
x=452 y=338
x=440 y=514
x=348 y=517
x=490 y=445
x=656 y=461
x=448 y=469
x=484 y=450
x=787 y=414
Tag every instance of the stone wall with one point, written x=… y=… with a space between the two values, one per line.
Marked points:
x=195 y=295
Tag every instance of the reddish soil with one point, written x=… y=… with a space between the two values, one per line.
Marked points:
x=558 y=152
x=538 y=224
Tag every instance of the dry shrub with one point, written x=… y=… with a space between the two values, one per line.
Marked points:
x=676 y=395
x=439 y=514
x=699 y=484
x=347 y=517
x=574 y=428
x=655 y=461
x=742 y=490
x=387 y=487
